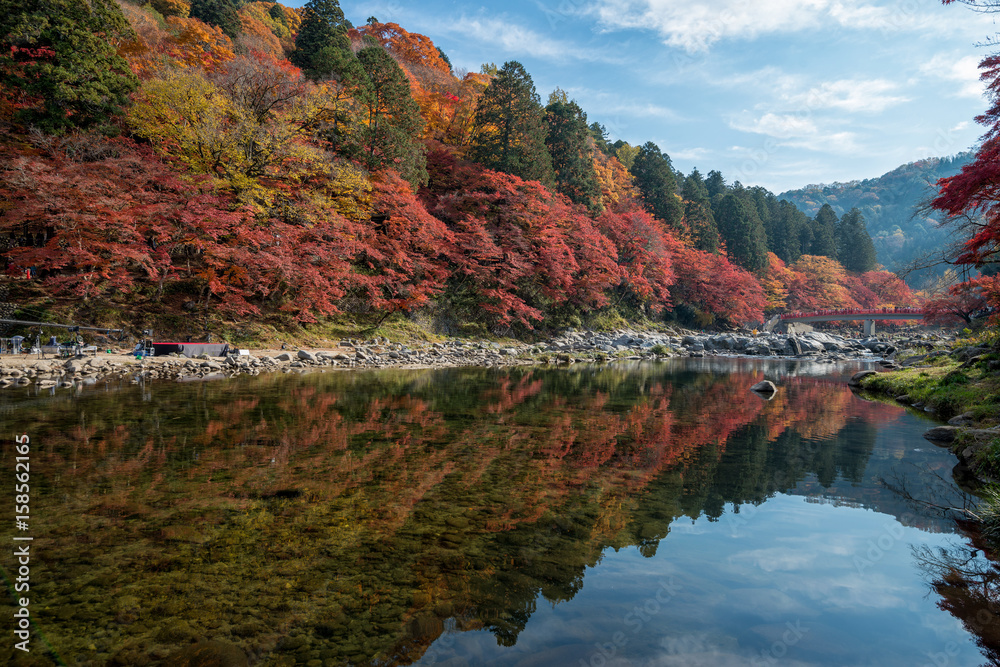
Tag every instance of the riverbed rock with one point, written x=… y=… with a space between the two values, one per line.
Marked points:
x=209 y=654
x=856 y=379
x=764 y=388
x=964 y=419
x=942 y=433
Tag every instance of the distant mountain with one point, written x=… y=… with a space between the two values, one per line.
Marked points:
x=890 y=204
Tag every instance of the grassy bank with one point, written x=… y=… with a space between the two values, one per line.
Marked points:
x=960 y=385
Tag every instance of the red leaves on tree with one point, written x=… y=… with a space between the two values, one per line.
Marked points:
x=713 y=285
x=403 y=249
x=644 y=264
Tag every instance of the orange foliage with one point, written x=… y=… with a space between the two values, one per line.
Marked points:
x=614 y=180
x=409 y=47
x=197 y=44
x=258 y=36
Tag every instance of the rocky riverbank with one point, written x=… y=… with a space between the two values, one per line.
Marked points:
x=959 y=385
x=570 y=347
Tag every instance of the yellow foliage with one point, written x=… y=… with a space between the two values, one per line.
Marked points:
x=613 y=178
x=178 y=8
x=191 y=119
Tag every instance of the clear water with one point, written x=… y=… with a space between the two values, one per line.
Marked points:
x=650 y=514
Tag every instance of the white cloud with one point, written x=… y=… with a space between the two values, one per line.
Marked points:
x=962 y=70
x=796 y=131
x=855 y=96
x=696 y=153
x=695 y=25
x=514 y=39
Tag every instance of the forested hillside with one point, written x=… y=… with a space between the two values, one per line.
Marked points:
x=895 y=205
x=199 y=164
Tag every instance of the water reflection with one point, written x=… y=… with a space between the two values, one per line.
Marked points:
x=362 y=518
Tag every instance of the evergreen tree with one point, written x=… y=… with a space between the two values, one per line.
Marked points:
x=60 y=54
x=784 y=235
x=389 y=136
x=698 y=213
x=694 y=189
x=600 y=136
x=715 y=184
x=221 y=13
x=510 y=129
x=322 y=48
x=855 y=249
x=570 y=145
x=701 y=223
x=742 y=232
x=824 y=240
x=654 y=177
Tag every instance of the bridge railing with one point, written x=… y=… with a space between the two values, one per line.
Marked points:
x=846 y=314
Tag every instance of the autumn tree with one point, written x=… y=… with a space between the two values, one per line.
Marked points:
x=971 y=198
x=654 y=177
x=742 y=232
x=855 y=249
x=60 y=55
x=510 y=130
x=179 y=8
x=238 y=125
x=712 y=288
x=643 y=257
x=817 y=283
x=570 y=145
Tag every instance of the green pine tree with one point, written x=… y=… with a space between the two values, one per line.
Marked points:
x=715 y=184
x=855 y=249
x=61 y=55
x=322 y=48
x=701 y=223
x=510 y=130
x=824 y=241
x=742 y=232
x=694 y=188
x=389 y=137
x=570 y=146
x=654 y=177
x=784 y=232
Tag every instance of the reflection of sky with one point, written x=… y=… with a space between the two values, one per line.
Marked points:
x=793 y=583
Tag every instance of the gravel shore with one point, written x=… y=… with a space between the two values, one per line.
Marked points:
x=570 y=347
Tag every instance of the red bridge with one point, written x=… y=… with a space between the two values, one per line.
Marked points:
x=866 y=315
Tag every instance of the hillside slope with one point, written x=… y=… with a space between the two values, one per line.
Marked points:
x=891 y=204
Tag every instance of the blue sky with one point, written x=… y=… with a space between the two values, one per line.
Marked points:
x=779 y=93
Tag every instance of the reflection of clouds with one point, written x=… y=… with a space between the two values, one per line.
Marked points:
x=775 y=559
x=767 y=604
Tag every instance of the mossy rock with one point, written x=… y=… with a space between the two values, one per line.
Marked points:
x=208 y=654
x=175 y=632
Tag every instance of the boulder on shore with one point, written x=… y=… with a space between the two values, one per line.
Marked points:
x=856 y=379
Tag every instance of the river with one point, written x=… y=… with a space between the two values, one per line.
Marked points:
x=631 y=514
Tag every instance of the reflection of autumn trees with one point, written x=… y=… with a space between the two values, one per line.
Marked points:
x=382 y=503
x=968 y=584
